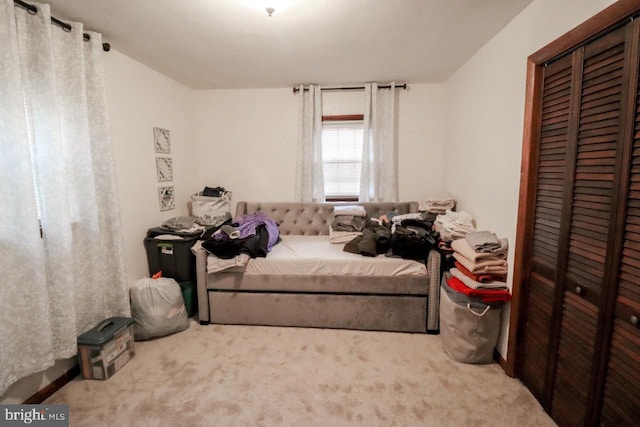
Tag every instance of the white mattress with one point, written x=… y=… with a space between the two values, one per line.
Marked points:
x=303 y=255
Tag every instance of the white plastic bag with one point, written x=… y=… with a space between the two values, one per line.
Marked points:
x=211 y=210
x=157 y=308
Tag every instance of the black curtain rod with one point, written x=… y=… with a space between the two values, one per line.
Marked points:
x=402 y=86
x=67 y=27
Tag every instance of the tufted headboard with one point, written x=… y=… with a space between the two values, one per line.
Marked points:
x=314 y=218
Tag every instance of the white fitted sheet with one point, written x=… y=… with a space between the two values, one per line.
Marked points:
x=304 y=255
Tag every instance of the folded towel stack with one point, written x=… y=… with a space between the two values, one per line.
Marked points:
x=348 y=223
x=438 y=204
x=480 y=266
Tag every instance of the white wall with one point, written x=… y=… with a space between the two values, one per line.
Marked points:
x=485 y=117
x=140 y=99
x=246 y=139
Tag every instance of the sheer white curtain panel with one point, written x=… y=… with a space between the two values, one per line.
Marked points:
x=309 y=182
x=379 y=177
x=57 y=170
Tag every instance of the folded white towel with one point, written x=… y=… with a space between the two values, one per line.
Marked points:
x=342 y=236
x=438 y=203
x=454 y=225
x=355 y=210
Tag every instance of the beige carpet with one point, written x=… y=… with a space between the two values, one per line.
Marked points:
x=249 y=375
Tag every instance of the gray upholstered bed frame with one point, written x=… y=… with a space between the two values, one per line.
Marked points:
x=406 y=304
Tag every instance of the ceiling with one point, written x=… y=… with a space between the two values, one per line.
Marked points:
x=220 y=44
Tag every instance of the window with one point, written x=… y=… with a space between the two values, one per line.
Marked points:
x=342 y=156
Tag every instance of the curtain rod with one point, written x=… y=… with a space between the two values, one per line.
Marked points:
x=67 y=27
x=400 y=86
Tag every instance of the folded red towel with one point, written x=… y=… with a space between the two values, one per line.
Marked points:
x=482 y=278
x=486 y=295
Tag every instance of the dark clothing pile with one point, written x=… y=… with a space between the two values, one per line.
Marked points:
x=408 y=238
x=374 y=240
x=254 y=234
x=413 y=239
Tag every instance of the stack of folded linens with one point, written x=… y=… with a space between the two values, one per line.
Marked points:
x=347 y=223
x=480 y=266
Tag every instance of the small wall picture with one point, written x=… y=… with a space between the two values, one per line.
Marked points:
x=164 y=167
x=165 y=196
x=162 y=140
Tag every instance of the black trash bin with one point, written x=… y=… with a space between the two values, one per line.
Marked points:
x=172 y=255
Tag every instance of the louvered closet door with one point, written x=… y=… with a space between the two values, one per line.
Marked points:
x=621 y=402
x=592 y=215
x=546 y=234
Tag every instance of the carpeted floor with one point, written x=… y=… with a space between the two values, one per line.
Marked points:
x=250 y=375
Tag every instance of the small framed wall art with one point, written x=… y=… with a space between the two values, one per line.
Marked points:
x=162 y=140
x=164 y=168
x=166 y=198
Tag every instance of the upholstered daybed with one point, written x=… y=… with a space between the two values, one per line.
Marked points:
x=310 y=282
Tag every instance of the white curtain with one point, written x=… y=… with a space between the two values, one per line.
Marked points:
x=309 y=183
x=57 y=169
x=379 y=178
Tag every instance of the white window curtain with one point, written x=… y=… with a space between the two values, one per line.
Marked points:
x=309 y=183
x=379 y=178
x=56 y=168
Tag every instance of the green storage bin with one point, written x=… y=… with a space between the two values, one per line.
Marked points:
x=190 y=296
x=107 y=347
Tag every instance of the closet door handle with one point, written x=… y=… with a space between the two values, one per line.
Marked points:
x=634 y=320
x=579 y=290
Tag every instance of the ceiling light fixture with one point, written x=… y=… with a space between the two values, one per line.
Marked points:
x=270 y=11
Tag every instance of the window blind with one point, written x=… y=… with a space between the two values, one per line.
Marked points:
x=342 y=157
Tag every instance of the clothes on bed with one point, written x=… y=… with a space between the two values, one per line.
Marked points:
x=303 y=255
x=338 y=237
x=413 y=238
x=216 y=264
x=410 y=237
x=348 y=223
x=247 y=226
x=374 y=240
x=230 y=231
x=257 y=234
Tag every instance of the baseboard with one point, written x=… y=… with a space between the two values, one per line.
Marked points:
x=54 y=386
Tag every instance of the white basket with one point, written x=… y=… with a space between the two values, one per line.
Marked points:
x=211 y=210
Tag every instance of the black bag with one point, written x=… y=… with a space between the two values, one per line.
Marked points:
x=213 y=192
